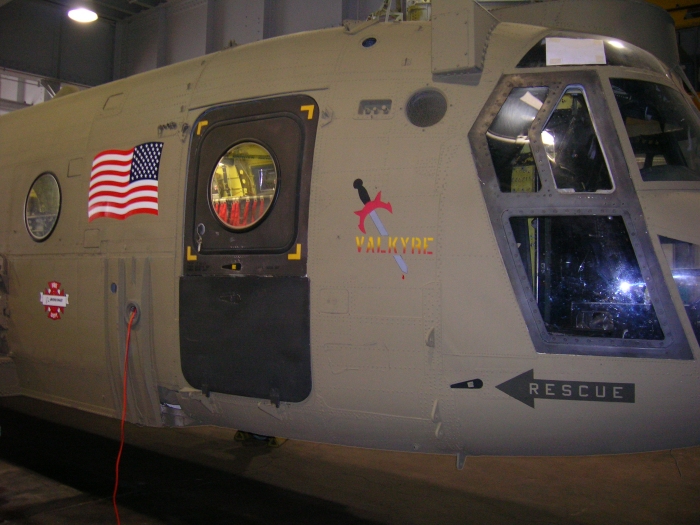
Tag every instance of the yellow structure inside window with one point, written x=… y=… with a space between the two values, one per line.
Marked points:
x=42 y=206
x=244 y=185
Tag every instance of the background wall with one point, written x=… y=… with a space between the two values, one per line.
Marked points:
x=41 y=49
x=37 y=37
x=39 y=42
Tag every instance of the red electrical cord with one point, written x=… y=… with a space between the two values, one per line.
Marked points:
x=121 y=442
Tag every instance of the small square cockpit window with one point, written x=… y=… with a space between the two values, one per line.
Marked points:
x=572 y=147
x=509 y=142
x=42 y=207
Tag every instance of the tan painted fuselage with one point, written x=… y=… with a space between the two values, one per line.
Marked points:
x=385 y=345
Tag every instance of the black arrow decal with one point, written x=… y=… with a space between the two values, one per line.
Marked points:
x=525 y=388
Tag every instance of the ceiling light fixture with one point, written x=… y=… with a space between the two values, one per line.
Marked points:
x=82 y=15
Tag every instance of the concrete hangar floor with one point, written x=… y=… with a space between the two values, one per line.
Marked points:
x=50 y=473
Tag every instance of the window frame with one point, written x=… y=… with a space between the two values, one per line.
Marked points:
x=597 y=134
x=622 y=201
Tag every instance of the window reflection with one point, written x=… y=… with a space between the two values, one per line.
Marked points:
x=508 y=140
x=243 y=185
x=585 y=277
x=684 y=260
x=572 y=147
x=662 y=129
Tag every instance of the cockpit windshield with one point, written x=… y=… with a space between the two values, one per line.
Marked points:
x=567 y=216
x=662 y=129
x=616 y=53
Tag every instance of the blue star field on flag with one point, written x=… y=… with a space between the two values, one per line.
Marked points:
x=146 y=161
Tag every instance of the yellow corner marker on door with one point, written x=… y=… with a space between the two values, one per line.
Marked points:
x=310 y=110
x=295 y=256
x=190 y=255
x=200 y=125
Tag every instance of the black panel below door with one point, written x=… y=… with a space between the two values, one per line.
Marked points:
x=246 y=335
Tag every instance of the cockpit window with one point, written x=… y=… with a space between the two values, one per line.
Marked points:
x=572 y=147
x=575 y=242
x=684 y=261
x=243 y=186
x=617 y=53
x=662 y=128
x=585 y=277
x=509 y=143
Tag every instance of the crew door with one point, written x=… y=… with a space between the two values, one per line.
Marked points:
x=244 y=293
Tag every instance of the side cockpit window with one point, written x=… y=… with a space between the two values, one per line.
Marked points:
x=662 y=128
x=568 y=221
x=573 y=150
x=585 y=277
x=684 y=260
x=569 y=140
x=509 y=143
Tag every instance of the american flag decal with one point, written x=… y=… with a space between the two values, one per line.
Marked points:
x=124 y=183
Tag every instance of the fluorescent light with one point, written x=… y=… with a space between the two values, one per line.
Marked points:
x=82 y=15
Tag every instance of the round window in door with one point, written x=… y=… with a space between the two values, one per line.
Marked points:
x=42 y=207
x=243 y=186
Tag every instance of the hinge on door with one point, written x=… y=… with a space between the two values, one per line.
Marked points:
x=4 y=307
x=9 y=380
x=4 y=284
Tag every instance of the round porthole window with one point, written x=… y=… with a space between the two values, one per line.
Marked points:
x=426 y=108
x=243 y=186
x=369 y=42
x=42 y=207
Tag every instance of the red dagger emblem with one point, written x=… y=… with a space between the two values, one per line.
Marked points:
x=370 y=205
x=370 y=209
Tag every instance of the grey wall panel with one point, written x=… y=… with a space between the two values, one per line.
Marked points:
x=82 y=63
x=360 y=9
x=239 y=21
x=186 y=30
x=29 y=37
x=183 y=29
x=140 y=51
x=689 y=49
x=283 y=17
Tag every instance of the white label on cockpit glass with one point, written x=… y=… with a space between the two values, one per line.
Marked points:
x=574 y=51
x=531 y=100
